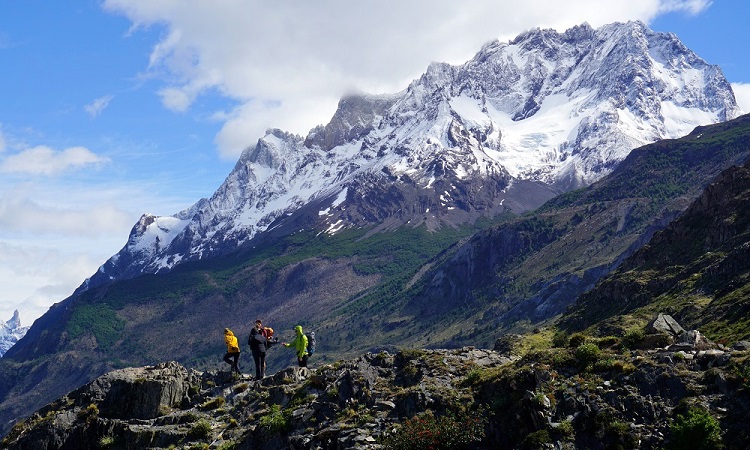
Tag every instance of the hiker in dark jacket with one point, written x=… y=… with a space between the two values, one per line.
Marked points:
x=257 y=341
x=233 y=351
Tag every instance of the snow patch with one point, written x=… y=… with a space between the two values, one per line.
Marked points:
x=680 y=120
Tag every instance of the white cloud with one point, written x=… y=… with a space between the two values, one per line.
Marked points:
x=98 y=105
x=19 y=213
x=175 y=99
x=37 y=275
x=43 y=160
x=692 y=7
x=56 y=232
x=288 y=63
x=742 y=94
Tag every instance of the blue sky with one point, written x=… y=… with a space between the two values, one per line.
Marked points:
x=111 y=109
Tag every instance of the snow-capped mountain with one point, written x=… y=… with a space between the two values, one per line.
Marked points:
x=519 y=123
x=10 y=332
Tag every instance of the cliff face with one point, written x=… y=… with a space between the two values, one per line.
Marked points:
x=575 y=393
x=698 y=265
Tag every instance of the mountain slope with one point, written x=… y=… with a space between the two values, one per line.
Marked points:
x=698 y=269
x=519 y=123
x=362 y=290
x=531 y=269
x=357 y=231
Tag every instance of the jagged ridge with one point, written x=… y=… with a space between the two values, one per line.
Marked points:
x=559 y=396
x=519 y=123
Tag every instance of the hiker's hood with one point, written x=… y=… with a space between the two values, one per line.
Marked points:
x=228 y=332
x=298 y=330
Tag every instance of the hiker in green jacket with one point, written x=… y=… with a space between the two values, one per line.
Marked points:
x=300 y=346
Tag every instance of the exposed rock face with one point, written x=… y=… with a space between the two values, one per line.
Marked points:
x=625 y=399
x=138 y=393
x=708 y=243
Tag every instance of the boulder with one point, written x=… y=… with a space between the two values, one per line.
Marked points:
x=664 y=324
x=139 y=393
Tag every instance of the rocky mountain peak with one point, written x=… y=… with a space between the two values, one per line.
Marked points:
x=11 y=332
x=542 y=114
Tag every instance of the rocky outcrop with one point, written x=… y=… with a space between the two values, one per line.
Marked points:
x=551 y=398
x=138 y=393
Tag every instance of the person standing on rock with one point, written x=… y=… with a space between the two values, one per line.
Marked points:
x=300 y=346
x=257 y=343
x=232 y=356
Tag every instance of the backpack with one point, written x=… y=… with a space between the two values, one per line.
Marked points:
x=311 y=343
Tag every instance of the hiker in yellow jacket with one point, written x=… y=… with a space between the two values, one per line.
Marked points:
x=232 y=356
x=300 y=346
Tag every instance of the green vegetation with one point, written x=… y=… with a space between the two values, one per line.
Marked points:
x=429 y=432
x=213 y=403
x=106 y=442
x=697 y=429
x=200 y=430
x=100 y=320
x=537 y=440
x=587 y=354
x=633 y=338
x=275 y=420
x=89 y=412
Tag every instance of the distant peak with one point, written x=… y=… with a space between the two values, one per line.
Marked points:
x=15 y=321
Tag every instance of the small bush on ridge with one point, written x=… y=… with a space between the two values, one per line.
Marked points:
x=696 y=429
x=425 y=431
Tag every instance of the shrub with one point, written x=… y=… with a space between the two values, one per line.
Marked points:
x=633 y=338
x=213 y=403
x=106 y=441
x=275 y=421
x=90 y=411
x=474 y=376
x=609 y=341
x=604 y=364
x=696 y=429
x=425 y=431
x=587 y=354
x=577 y=339
x=560 y=339
x=201 y=430
x=623 y=367
x=619 y=436
x=565 y=429
x=536 y=440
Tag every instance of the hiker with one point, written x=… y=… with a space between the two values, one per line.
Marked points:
x=257 y=341
x=232 y=356
x=300 y=346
